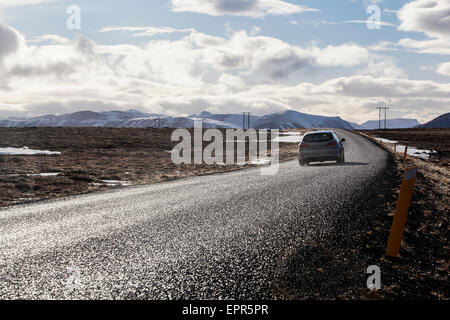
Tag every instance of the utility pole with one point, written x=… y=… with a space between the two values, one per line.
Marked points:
x=158 y=121
x=385 y=118
x=244 y=115
x=385 y=113
x=380 y=113
x=379 y=118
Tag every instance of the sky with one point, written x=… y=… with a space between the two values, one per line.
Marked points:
x=180 y=57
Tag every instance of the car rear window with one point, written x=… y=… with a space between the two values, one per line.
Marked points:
x=318 y=137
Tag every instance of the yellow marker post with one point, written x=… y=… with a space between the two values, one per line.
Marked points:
x=406 y=153
x=401 y=212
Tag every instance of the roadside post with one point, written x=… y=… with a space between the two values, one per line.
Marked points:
x=405 y=154
x=395 y=148
x=401 y=212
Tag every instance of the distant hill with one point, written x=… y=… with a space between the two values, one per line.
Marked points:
x=356 y=125
x=282 y=120
x=293 y=119
x=137 y=119
x=440 y=122
x=119 y=119
x=233 y=118
x=390 y=124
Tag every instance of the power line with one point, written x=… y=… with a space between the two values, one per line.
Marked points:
x=380 y=114
x=246 y=116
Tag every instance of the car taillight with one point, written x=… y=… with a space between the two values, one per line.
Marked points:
x=332 y=143
x=303 y=145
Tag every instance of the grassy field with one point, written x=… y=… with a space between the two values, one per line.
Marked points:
x=424 y=262
x=93 y=159
x=428 y=139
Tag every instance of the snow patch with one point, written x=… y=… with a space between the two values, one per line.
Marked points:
x=414 y=152
x=289 y=137
x=26 y=151
x=386 y=140
x=112 y=183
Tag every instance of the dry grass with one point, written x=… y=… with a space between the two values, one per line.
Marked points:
x=422 y=269
x=90 y=156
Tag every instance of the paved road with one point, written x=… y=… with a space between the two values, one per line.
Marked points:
x=220 y=236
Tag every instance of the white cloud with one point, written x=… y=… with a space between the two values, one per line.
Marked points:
x=368 y=86
x=51 y=38
x=317 y=23
x=16 y=3
x=444 y=69
x=344 y=55
x=10 y=40
x=383 y=67
x=200 y=71
x=146 y=31
x=431 y=17
x=249 y=8
x=428 y=67
x=433 y=46
x=255 y=30
x=379 y=23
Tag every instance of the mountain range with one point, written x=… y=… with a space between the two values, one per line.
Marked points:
x=442 y=121
x=281 y=120
x=138 y=119
x=400 y=123
x=119 y=119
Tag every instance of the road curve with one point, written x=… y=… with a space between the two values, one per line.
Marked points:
x=223 y=236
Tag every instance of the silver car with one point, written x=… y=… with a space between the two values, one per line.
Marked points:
x=318 y=146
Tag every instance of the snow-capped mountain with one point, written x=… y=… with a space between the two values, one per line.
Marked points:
x=138 y=119
x=390 y=124
x=77 y=119
x=118 y=119
x=234 y=119
x=169 y=122
x=293 y=119
x=282 y=120
x=356 y=125
x=442 y=121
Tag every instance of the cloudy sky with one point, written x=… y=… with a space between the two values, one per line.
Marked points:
x=181 y=57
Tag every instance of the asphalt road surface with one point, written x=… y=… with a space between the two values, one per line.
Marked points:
x=223 y=236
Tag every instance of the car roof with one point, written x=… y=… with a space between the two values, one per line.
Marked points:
x=323 y=131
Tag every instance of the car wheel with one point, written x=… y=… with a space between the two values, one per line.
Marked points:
x=341 y=159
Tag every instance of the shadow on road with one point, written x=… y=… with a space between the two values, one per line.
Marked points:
x=316 y=272
x=337 y=164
